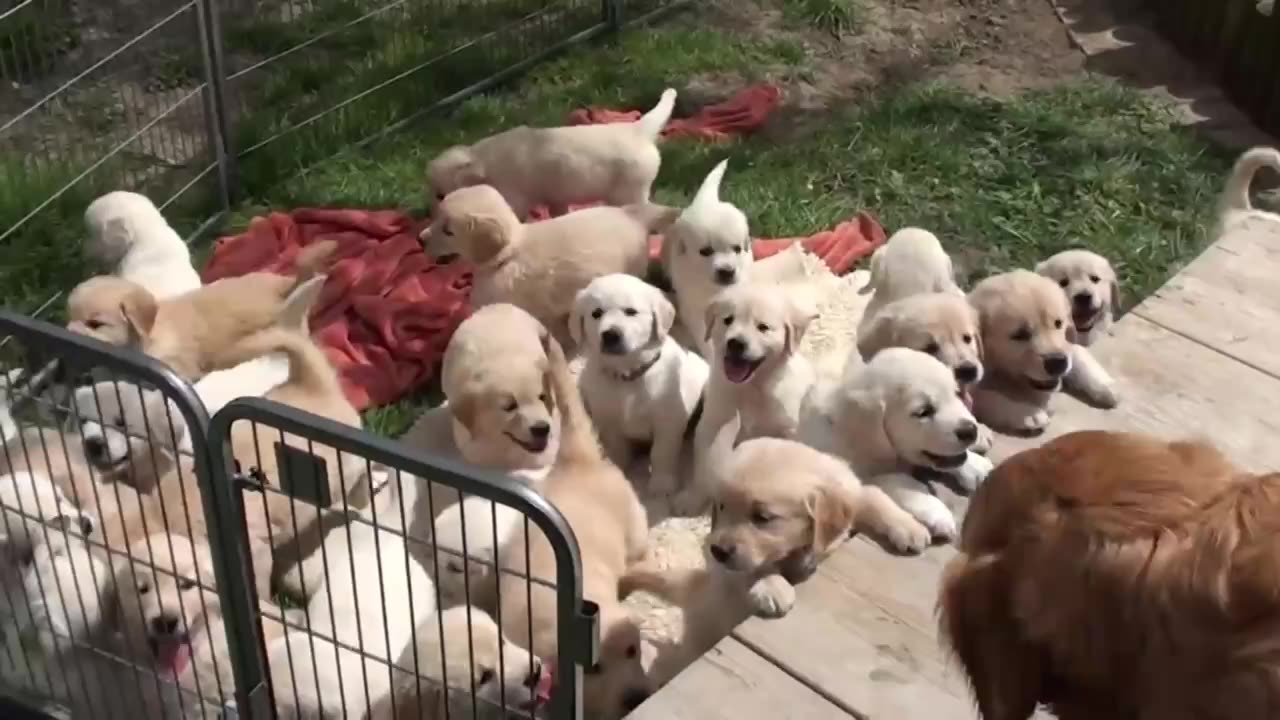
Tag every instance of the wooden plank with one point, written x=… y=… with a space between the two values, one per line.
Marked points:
x=858 y=652
x=731 y=682
x=1228 y=299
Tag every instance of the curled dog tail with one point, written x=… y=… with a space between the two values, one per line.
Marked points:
x=651 y=123
x=654 y=217
x=309 y=369
x=1236 y=194
x=578 y=443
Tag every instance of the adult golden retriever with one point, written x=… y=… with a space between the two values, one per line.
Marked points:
x=1115 y=576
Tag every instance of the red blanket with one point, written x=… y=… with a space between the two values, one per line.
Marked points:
x=387 y=310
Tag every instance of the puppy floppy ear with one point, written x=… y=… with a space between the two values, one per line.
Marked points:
x=862 y=418
x=876 y=273
x=139 y=309
x=977 y=331
x=486 y=238
x=577 y=320
x=832 y=512
x=470 y=172
x=877 y=334
x=801 y=315
x=464 y=411
x=664 y=316
x=1115 y=295
x=716 y=309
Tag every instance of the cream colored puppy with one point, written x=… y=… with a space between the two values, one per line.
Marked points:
x=707 y=249
x=941 y=324
x=640 y=385
x=463 y=657
x=541 y=266
x=766 y=536
x=32 y=510
x=1234 y=208
x=754 y=330
x=612 y=528
x=911 y=262
x=1025 y=321
x=561 y=166
x=468 y=534
x=899 y=413
x=128 y=232
x=1090 y=285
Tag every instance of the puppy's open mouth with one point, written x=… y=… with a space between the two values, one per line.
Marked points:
x=945 y=462
x=171 y=654
x=966 y=397
x=739 y=370
x=107 y=465
x=1045 y=385
x=1084 y=320
x=532 y=445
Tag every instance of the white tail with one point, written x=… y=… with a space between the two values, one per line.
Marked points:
x=709 y=193
x=652 y=122
x=1236 y=194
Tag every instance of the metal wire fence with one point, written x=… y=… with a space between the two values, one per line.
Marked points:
x=195 y=103
x=263 y=563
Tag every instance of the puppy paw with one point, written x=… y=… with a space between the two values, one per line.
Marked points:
x=910 y=538
x=986 y=438
x=1102 y=397
x=938 y=519
x=975 y=469
x=772 y=597
x=1035 y=422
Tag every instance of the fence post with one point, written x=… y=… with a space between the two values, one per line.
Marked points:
x=613 y=15
x=217 y=116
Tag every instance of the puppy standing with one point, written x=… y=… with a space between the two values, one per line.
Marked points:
x=559 y=167
x=640 y=385
x=1090 y=285
x=900 y=413
x=541 y=266
x=127 y=231
x=612 y=530
x=707 y=249
x=912 y=262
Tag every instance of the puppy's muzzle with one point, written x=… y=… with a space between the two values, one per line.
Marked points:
x=726 y=276
x=721 y=554
x=1082 y=301
x=967 y=432
x=164 y=625
x=96 y=449
x=611 y=342
x=1056 y=364
x=966 y=373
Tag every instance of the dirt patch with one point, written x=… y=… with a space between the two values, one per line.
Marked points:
x=991 y=47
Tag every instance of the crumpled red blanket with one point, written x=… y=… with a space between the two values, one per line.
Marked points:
x=387 y=311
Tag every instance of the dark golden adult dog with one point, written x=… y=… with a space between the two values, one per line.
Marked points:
x=1118 y=577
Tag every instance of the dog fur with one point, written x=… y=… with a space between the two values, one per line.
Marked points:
x=641 y=387
x=129 y=233
x=911 y=262
x=1090 y=284
x=562 y=166
x=1118 y=576
x=1234 y=207
x=541 y=266
x=611 y=526
x=707 y=249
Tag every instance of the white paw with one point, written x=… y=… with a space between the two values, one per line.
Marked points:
x=772 y=597
x=975 y=469
x=1037 y=421
x=986 y=438
x=937 y=517
x=910 y=538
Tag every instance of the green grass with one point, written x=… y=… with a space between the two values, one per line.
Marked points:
x=836 y=17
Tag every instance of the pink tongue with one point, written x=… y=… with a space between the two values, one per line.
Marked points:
x=736 y=372
x=967 y=397
x=174 y=656
x=545 y=683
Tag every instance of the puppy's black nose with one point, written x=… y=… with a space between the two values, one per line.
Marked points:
x=966 y=373
x=540 y=430
x=164 y=625
x=95 y=447
x=967 y=432
x=721 y=554
x=1082 y=300
x=634 y=698
x=610 y=338
x=1055 y=363
x=726 y=276
x=735 y=346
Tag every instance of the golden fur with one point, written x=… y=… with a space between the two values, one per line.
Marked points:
x=1118 y=576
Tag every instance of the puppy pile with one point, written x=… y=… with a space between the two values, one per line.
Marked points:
x=618 y=402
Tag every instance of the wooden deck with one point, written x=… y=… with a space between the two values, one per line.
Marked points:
x=1199 y=357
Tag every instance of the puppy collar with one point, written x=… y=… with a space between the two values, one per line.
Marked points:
x=637 y=372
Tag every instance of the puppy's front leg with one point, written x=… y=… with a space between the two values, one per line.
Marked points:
x=893 y=521
x=772 y=596
x=664 y=457
x=912 y=497
x=1007 y=415
x=1088 y=381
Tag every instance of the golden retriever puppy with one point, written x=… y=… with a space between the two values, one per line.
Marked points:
x=941 y=324
x=911 y=262
x=463 y=657
x=1025 y=320
x=1234 y=208
x=779 y=508
x=1116 y=575
x=169 y=619
x=707 y=249
x=562 y=166
x=754 y=330
x=612 y=528
x=541 y=266
x=186 y=331
x=128 y=232
x=900 y=414
x=641 y=387
x=1090 y=285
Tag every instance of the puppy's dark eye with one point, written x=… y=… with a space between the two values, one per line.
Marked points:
x=597 y=313
x=1057 y=323
x=630 y=312
x=763 y=328
x=185 y=584
x=486 y=676
x=94 y=324
x=706 y=251
x=728 y=320
x=119 y=423
x=932 y=348
x=1022 y=334
x=510 y=406
x=760 y=517
x=144 y=587
x=1095 y=279
x=446 y=231
x=542 y=398
x=632 y=651
x=1064 y=282
x=968 y=339
x=737 y=249
x=925 y=411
